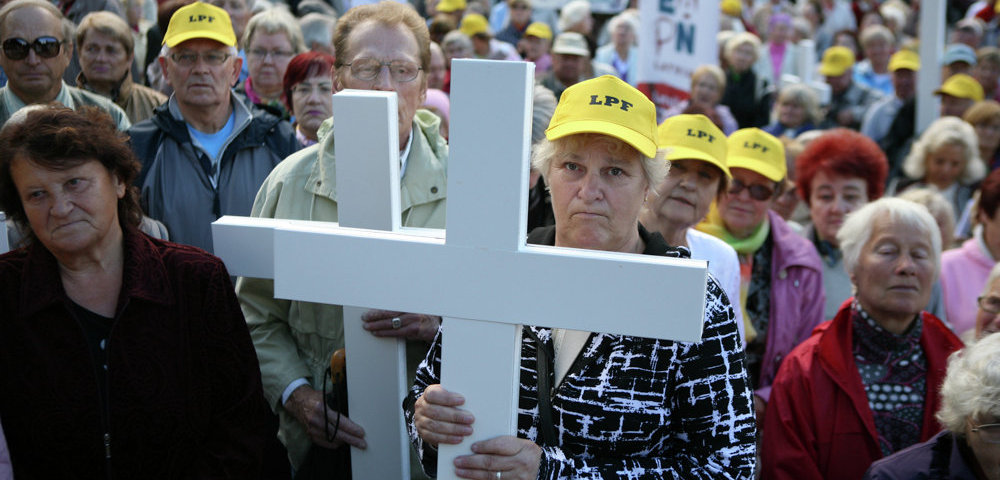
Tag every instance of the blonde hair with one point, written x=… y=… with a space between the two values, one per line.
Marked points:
x=654 y=169
x=946 y=131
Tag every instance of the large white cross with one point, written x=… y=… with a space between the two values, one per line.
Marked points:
x=481 y=276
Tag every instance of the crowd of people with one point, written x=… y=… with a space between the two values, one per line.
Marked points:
x=853 y=298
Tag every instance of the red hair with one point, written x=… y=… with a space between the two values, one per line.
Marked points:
x=303 y=66
x=844 y=153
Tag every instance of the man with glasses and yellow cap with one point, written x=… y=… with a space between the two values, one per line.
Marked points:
x=849 y=100
x=903 y=67
x=205 y=152
x=37 y=46
x=595 y=405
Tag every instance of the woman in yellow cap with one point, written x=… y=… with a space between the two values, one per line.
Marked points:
x=696 y=149
x=688 y=416
x=781 y=274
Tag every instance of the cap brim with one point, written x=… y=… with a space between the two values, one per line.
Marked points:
x=686 y=153
x=183 y=37
x=756 y=165
x=640 y=142
x=572 y=51
x=831 y=71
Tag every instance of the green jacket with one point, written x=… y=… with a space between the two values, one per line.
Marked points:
x=295 y=339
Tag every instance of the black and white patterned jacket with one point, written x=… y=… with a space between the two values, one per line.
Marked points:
x=631 y=407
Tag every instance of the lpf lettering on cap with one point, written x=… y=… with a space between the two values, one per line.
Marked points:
x=200 y=18
x=755 y=146
x=700 y=134
x=610 y=101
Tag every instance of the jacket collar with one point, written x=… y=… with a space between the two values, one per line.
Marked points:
x=782 y=236
x=425 y=180
x=144 y=276
x=119 y=92
x=834 y=352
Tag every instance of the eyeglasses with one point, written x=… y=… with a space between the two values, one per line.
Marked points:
x=367 y=69
x=757 y=192
x=989 y=303
x=260 y=53
x=989 y=433
x=45 y=47
x=189 y=59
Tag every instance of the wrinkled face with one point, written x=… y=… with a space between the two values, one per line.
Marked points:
x=623 y=36
x=103 y=59
x=70 y=211
x=312 y=103
x=35 y=79
x=268 y=55
x=520 y=13
x=991 y=231
x=780 y=33
x=905 y=83
x=435 y=76
x=986 y=322
x=596 y=197
x=878 y=51
x=534 y=47
x=954 y=106
x=988 y=133
x=706 y=91
x=568 y=68
x=945 y=165
x=386 y=43
x=841 y=82
x=791 y=113
x=895 y=270
x=687 y=192
x=239 y=14
x=201 y=84
x=987 y=454
x=741 y=213
x=742 y=57
x=831 y=199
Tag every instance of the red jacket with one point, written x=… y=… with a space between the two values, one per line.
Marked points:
x=818 y=424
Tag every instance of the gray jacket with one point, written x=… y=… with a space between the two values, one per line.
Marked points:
x=175 y=185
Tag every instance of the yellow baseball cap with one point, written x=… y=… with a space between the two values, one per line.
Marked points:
x=904 y=59
x=757 y=150
x=733 y=8
x=474 y=24
x=693 y=137
x=540 y=30
x=200 y=20
x=962 y=86
x=608 y=106
x=836 y=61
x=448 y=6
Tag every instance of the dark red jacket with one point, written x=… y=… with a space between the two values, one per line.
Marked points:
x=818 y=424
x=183 y=380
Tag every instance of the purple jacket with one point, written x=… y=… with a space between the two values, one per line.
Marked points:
x=939 y=458
x=797 y=298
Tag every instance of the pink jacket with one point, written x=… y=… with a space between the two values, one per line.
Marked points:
x=797 y=298
x=964 y=271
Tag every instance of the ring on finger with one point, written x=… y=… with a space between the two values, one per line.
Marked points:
x=396 y=323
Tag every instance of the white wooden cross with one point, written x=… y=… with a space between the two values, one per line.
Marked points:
x=481 y=276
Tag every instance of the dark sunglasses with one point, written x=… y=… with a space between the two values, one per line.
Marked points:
x=757 y=192
x=45 y=47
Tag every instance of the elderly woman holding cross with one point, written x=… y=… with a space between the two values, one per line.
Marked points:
x=599 y=405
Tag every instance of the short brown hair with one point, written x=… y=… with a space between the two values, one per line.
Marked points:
x=386 y=12
x=57 y=138
x=108 y=24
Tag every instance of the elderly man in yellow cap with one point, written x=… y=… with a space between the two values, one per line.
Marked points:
x=206 y=151
x=903 y=66
x=583 y=409
x=958 y=93
x=849 y=100
x=484 y=46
